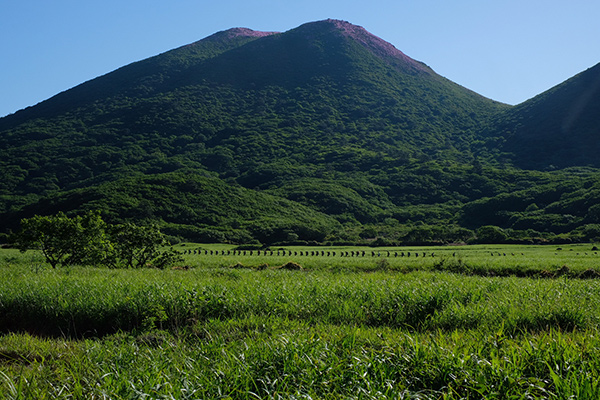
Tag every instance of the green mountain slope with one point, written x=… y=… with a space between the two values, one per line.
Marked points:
x=278 y=97
x=556 y=129
x=348 y=134
x=199 y=207
x=138 y=79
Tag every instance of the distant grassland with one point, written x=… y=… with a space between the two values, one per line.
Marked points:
x=580 y=260
x=457 y=324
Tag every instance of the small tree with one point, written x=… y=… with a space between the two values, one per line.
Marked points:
x=89 y=240
x=50 y=234
x=64 y=240
x=491 y=234
x=139 y=246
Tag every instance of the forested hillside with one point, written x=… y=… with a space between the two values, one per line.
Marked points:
x=557 y=129
x=321 y=133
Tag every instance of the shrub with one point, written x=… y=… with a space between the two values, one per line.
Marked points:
x=491 y=234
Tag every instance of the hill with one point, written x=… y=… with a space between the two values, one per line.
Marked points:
x=556 y=129
x=200 y=207
x=327 y=120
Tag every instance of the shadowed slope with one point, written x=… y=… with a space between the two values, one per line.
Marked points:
x=556 y=129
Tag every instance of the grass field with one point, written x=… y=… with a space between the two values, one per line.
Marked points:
x=493 y=322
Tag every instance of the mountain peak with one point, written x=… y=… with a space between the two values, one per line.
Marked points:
x=227 y=39
x=243 y=32
x=374 y=43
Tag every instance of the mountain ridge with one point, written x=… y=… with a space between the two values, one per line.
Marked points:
x=325 y=116
x=379 y=46
x=561 y=123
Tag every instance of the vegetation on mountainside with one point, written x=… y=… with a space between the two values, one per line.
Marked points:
x=192 y=206
x=554 y=130
x=308 y=135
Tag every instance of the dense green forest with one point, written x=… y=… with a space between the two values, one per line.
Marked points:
x=555 y=130
x=324 y=133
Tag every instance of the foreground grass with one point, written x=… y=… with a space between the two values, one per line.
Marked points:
x=356 y=329
x=277 y=358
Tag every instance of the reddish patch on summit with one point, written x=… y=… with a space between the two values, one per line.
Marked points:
x=234 y=33
x=245 y=32
x=377 y=45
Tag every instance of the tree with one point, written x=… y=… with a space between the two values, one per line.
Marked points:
x=590 y=232
x=491 y=234
x=419 y=234
x=593 y=214
x=88 y=240
x=92 y=245
x=139 y=246
x=64 y=240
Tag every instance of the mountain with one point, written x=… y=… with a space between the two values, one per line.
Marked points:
x=561 y=126
x=325 y=121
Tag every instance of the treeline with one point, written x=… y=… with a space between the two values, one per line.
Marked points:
x=190 y=206
x=435 y=235
x=88 y=239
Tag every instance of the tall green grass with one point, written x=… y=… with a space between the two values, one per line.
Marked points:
x=81 y=301
x=269 y=357
x=367 y=328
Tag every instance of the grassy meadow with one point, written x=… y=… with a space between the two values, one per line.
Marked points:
x=478 y=322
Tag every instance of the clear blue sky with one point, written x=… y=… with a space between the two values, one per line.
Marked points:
x=507 y=50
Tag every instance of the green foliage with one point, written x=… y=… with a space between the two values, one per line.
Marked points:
x=299 y=136
x=64 y=240
x=88 y=240
x=491 y=234
x=138 y=246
